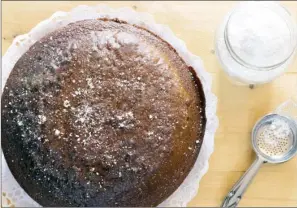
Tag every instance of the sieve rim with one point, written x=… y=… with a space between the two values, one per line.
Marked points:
x=293 y=149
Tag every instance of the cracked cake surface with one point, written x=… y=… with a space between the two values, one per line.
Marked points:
x=101 y=113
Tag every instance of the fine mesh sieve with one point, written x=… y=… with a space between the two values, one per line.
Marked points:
x=274 y=139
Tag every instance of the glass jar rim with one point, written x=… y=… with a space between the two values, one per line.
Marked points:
x=291 y=26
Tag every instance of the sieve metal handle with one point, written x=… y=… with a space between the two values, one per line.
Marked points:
x=235 y=194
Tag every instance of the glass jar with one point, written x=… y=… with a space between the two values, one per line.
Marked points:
x=256 y=42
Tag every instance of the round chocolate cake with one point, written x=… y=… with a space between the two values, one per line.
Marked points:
x=101 y=113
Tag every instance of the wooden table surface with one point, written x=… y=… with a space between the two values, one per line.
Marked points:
x=238 y=107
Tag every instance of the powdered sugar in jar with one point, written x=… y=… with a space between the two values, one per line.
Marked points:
x=256 y=42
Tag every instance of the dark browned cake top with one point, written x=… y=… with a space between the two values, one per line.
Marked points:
x=101 y=113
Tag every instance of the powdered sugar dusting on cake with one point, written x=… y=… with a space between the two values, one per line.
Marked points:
x=125 y=38
x=104 y=103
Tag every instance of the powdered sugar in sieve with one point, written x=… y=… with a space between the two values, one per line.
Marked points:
x=275 y=138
